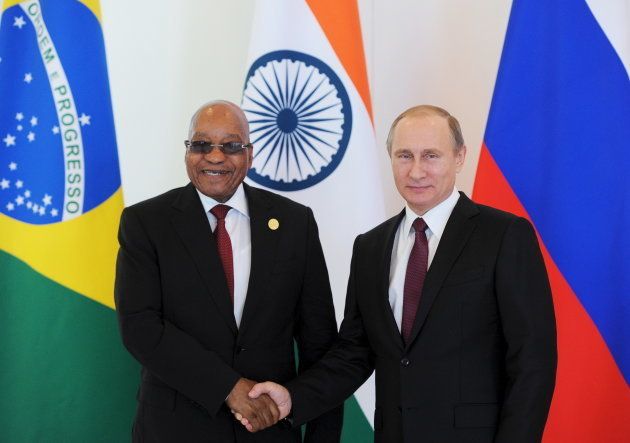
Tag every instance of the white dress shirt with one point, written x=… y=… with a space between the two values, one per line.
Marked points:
x=436 y=219
x=237 y=226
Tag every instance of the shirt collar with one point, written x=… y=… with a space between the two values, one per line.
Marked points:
x=436 y=217
x=238 y=201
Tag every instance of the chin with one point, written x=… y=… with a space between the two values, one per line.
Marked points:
x=420 y=198
x=212 y=193
x=421 y=205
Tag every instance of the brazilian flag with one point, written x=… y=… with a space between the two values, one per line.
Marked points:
x=64 y=375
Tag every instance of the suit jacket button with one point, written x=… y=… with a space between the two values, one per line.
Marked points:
x=239 y=349
x=405 y=362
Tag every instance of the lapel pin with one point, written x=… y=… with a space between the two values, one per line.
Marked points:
x=273 y=224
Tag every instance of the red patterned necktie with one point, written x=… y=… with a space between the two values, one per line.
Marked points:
x=224 y=245
x=414 y=278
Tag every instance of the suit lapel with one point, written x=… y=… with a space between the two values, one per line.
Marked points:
x=384 y=270
x=458 y=229
x=264 y=241
x=192 y=226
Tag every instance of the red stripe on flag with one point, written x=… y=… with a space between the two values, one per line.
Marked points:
x=591 y=402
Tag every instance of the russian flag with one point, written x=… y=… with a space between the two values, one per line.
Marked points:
x=556 y=151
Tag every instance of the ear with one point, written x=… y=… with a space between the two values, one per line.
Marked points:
x=250 y=156
x=459 y=158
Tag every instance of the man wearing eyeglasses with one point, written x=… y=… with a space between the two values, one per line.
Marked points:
x=214 y=283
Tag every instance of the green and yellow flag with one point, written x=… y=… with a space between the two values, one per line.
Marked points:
x=64 y=375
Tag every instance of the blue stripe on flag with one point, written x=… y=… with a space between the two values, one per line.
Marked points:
x=559 y=129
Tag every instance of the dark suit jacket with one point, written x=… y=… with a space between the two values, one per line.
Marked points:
x=176 y=317
x=480 y=363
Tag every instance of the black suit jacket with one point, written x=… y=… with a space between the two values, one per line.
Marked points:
x=176 y=317
x=480 y=363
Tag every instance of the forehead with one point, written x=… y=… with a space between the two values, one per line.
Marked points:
x=221 y=121
x=423 y=131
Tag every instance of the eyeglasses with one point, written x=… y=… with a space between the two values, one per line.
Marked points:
x=204 y=147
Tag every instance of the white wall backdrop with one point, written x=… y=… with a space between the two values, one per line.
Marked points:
x=166 y=58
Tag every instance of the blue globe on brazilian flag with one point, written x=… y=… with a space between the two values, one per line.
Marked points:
x=64 y=374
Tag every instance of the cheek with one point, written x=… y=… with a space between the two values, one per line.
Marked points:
x=446 y=177
x=438 y=171
x=399 y=171
x=190 y=167
x=240 y=168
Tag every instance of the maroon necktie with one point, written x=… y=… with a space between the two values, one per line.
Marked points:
x=224 y=245
x=414 y=278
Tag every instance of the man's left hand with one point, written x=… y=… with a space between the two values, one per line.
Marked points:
x=260 y=412
x=278 y=393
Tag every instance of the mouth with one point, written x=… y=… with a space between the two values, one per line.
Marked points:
x=214 y=173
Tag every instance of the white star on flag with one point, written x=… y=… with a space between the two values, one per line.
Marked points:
x=29 y=205
x=10 y=206
x=12 y=166
x=19 y=116
x=33 y=121
x=27 y=193
x=84 y=119
x=31 y=136
x=18 y=22
x=28 y=77
x=54 y=212
x=4 y=184
x=19 y=127
x=19 y=184
x=9 y=140
x=19 y=200
x=35 y=208
x=55 y=129
x=42 y=210
x=47 y=199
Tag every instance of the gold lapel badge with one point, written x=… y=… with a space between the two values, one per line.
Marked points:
x=273 y=224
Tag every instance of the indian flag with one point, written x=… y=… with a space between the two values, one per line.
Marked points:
x=64 y=374
x=307 y=99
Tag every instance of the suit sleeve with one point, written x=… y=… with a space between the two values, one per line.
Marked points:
x=316 y=330
x=165 y=350
x=527 y=318
x=342 y=370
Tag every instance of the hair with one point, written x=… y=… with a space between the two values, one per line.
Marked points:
x=422 y=110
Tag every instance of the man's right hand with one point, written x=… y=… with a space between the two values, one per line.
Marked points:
x=278 y=393
x=260 y=411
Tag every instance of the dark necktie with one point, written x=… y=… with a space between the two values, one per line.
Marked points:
x=224 y=246
x=414 y=278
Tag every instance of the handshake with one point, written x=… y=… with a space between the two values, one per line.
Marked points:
x=258 y=405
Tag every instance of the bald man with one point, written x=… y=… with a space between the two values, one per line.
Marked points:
x=214 y=282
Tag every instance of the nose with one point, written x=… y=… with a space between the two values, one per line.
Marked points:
x=417 y=171
x=215 y=155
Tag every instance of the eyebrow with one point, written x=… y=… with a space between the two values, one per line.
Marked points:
x=203 y=134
